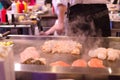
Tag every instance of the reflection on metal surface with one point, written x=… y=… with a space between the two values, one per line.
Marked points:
x=110 y=70
x=17 y=67
x=65 y=79
x=54 y=69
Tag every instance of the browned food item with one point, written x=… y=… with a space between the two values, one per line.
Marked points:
x=61 y=46
x=103 y=53
x=28 y=61
x=59 y=63
x=39 y=61
x=96 y=63
x=100 y=53
x=79 y=63
x=29 y=52
x=113 y=54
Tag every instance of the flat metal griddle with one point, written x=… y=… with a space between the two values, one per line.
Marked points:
x=22 y=42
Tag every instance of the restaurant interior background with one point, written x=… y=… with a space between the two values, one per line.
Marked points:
x=34 y=16
x=29 y=18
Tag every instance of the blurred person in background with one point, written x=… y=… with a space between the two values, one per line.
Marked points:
x=1 y=6
x=78 y=8
x=48 y=1
x=32 y=2
x=4 y=5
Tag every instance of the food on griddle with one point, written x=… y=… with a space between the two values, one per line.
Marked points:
x=7 y=43
x=5 y=47
x=104 y=53
x=37 y=61
x=29 y=52
x=61 y=46
x=95 y=63
x=3 y=51
x=28 y=61
x=79 y=63
x=60 y=63
x=113 y=54
x=101 y=53
x=21 y=18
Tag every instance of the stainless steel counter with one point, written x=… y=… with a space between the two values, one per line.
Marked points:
x=25 y=71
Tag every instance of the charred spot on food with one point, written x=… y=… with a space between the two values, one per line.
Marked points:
x=28 y=61
x=38 y=62
x=33 y=61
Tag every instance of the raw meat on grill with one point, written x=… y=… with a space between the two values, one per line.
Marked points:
x=79 y=63
x=105 y=53
x=92 y=53
x=29 y=52
x=61 y=46
x=113 y=54
x=101 y=53
x=95 y=63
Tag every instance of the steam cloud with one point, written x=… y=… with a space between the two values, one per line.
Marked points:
x=81 y=26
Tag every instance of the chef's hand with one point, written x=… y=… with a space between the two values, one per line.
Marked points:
x=42 y=33
x=57 y=27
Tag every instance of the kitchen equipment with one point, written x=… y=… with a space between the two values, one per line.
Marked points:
x=26 y=71
x=5 y=34
x=88 y=19
x=6 y=62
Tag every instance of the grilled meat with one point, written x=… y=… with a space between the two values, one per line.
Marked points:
x=79 y=63
x=61 y=46
x=29 y=52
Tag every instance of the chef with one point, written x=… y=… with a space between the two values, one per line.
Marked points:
x=4 y=4
x=87 y=12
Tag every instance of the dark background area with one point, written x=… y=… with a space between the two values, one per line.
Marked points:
x=6 y=3
x=48 y=1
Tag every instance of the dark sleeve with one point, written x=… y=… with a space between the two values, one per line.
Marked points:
x=115 y=1
x=6 y=3
x=48 y=1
